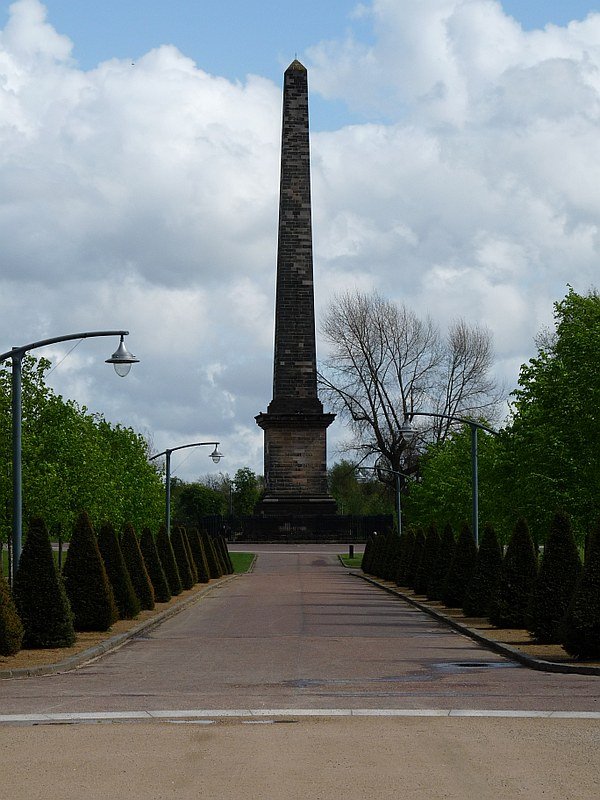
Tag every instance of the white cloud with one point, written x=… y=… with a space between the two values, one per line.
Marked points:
x=145 y=196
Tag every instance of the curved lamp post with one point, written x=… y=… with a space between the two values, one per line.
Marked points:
x=121 y=359
x=215 y=455
x=397 y=475
x=408 y=433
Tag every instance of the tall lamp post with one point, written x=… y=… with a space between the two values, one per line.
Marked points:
x=397 y=475
x=121 y=359
x=408 y=434
x=215 y=455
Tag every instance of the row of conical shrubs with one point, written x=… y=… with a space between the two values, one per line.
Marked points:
x=556 y=597
x=104 y=578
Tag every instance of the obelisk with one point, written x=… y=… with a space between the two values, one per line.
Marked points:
x=295 y=446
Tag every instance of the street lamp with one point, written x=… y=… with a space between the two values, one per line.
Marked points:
x=122 y=360
x=397 y=475
x=408 y=434
x=215 y=455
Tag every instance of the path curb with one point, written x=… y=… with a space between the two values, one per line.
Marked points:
x=114 y=642
x=490 y=644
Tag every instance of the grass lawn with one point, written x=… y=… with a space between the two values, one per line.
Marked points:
x=241 y=561
x=354 y=563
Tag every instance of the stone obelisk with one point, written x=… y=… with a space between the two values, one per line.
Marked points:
x=295 y=448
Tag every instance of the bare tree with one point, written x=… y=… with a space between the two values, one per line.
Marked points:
x=386 y=363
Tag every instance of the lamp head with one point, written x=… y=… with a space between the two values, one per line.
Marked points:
x=215 y=455
x=122 y=359
x=407 y=431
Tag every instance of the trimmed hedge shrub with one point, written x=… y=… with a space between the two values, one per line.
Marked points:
x=162 y=593
x=482 y=588
x=407 y=545
x=415 y=557
x=214 y=566
x=136 y=567
x=199 y=555
x=437 y=578
x=190 y=555
x=11 y=627
x=555 y=583
x=88 y=588
x=126 y=599
x=39 y=593
x=582 y=621
x=517 y=577
x=428 y=559
x=461 y=570
x=229 y=569
x=181 y=556
x=167 y=559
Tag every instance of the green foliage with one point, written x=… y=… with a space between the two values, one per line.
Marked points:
x=162 y=593
x=581 y=637
x=73 y=459
x=11 y=627
x=223 y=552
x=167 y=559
x=367 y=559
x=482 y=587
x=246 y=491
x=461 y=570
x=88 y=588
x=126 y=599
x=517 y=576
x=415 y=557
x=428 y=560
x=192 y=501
x=182 y=558
x=190 y=555
x=136 y=567
x=555 y=583
x=407 y=545
x=437 y=576
x=360 y=497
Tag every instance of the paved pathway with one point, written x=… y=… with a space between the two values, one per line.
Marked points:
x=300 y=633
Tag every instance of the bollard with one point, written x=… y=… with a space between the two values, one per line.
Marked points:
x=350 y=551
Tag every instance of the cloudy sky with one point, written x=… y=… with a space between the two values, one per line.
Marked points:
x=456 y=168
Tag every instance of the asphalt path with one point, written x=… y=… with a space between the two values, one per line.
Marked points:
x=300 y=632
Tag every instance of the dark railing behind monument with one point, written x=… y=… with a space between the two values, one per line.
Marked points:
x=330 y=528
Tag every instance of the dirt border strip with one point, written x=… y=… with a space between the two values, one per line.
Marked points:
x=114 y=642
x=491 y=644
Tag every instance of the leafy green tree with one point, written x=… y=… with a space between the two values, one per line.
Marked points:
x=11 y=627
x=461 y=570
x=517 y=576
x=136 y=567
x=162 y=593
x=357 y=495
x=551 y=458
x=88 y=588
x=126 y=599
x=482 y=587
x=581 y=629
x=246 y=491
x=192 y=501
x=167 y=559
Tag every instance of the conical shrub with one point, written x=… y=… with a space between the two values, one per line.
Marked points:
x=190 y=555
x=126 y=599
x=214 y=566
x=181 y=556
x=415 y=557
x=11 y=627
x=199 y=555
x=428 y=559
x=482 y=588
x=162 y=593
x=437 y=576
x=88 y=588
x=517 y=577
x=555 y=582
x=225 y=557
x=167 y=559
x=461 y=569
x=368 y=554
x=39 y=593
x=407 y=545
x=581 y=628
x=136 y=567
